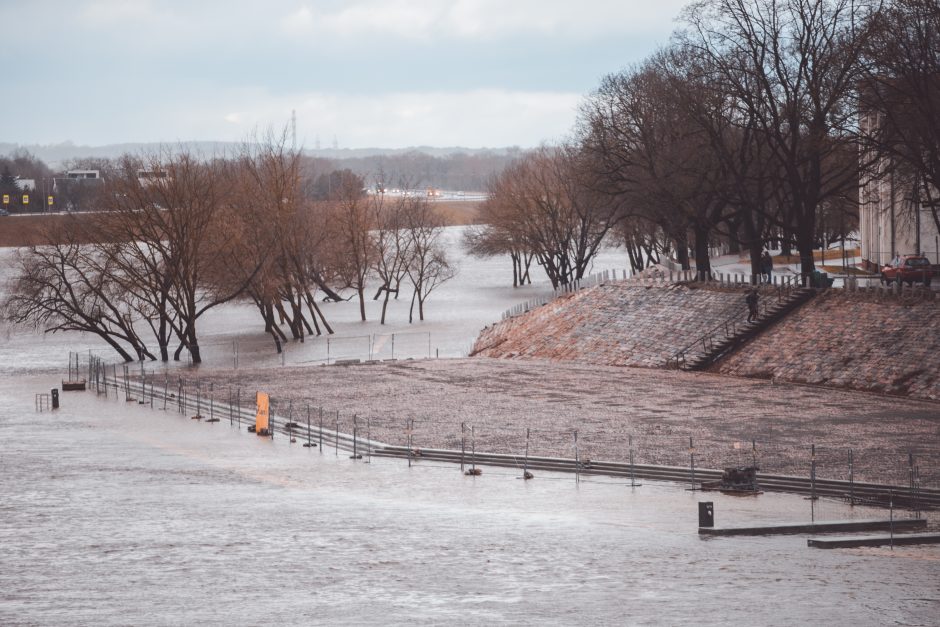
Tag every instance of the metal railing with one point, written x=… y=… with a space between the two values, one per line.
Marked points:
x=732 y=326
x=574 y=286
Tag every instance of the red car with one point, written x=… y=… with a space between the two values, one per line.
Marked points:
x=908 y=269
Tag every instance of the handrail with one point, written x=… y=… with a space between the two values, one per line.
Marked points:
x=784 y=289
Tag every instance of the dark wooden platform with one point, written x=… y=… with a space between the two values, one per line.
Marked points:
x=830 y=526
x=849 y=542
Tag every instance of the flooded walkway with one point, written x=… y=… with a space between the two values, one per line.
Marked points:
x=114 y=513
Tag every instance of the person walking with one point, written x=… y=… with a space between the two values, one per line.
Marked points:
x=752 y=310
x=767 y=265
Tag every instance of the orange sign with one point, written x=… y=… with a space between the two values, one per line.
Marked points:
x=261 y=418
x=6 y=199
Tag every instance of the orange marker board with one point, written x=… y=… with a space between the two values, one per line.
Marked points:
x=261 y=418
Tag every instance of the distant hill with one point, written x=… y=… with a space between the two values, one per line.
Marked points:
x=56 y=154
x=451 y=168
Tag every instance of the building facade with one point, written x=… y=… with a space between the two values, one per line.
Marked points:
x=893 y=219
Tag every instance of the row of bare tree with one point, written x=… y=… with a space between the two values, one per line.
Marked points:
x=177 y=235
x=744 y=131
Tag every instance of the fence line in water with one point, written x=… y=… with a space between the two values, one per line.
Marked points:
x=644 y=455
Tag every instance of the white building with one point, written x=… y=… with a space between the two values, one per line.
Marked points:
x=83 y=174
x=892 y=218
x=893 y=222
x=149 y=177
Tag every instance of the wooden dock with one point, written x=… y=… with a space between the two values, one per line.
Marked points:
x=830 y=526
x=850 y=542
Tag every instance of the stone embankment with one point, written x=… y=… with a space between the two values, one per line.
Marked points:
x=614 y=324
x=873 y=341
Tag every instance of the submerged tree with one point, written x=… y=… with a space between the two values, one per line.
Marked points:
x=428 y=266
x=547 y=208
x=66 y=285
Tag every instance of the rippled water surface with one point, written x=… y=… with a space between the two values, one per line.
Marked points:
x=113 y=513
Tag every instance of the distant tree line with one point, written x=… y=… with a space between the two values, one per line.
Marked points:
x=410 y=170
x=747 y=131
x=195 y=233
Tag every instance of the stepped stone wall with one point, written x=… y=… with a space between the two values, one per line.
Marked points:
x=864 y=341
x=616 y=324
x=874 y=341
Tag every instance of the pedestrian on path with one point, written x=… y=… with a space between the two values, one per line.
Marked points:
x=766 y=265
x=751 y=300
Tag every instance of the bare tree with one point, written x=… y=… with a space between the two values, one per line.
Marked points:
x=165 y=242
x=545 y=207
x=351 y=223
x=428 y=266
x=277 y=236
x=793 y=67
x=68 y=286
x=648 y=148
x=392 y=245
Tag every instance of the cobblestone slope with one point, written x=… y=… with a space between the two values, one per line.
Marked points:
x=615 y=324
x=876 y=340
x=864 y=341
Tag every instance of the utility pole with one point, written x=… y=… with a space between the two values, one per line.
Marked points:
x=293 y=130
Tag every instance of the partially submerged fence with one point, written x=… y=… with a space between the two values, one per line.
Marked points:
x=570 y=288
x=857 y=472
x=262 y=351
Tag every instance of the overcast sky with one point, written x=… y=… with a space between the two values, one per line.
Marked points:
x=372 y=73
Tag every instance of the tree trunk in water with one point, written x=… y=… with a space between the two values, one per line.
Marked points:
x=411 y=311
x=330 y=294
x=384 y=307
x=315 y=311
x=526 y=278
x=117 y=347
x=268 y=316
x=283 y=317
x=362 y=302
x=193 y=345
x=164 y=341
x=515 y=269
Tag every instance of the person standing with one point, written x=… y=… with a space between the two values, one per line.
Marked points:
x=752 y=310
x=767 y=265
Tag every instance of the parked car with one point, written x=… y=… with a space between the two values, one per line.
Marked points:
x=908 y=269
